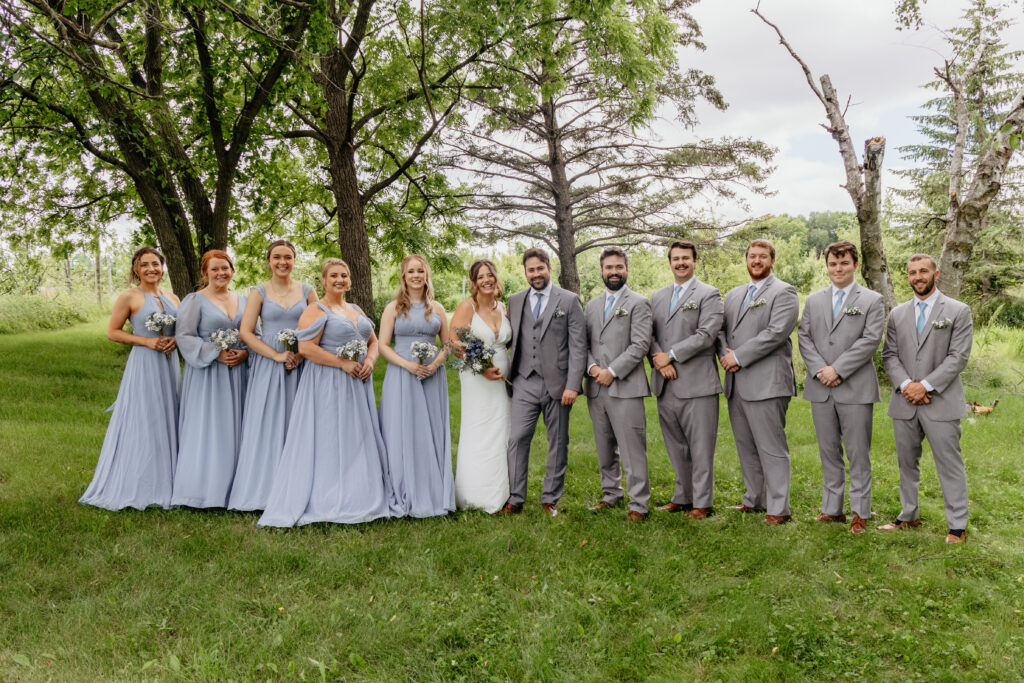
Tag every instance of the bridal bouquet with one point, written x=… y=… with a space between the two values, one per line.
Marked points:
x=289 y=340
x=354 y=350
x=421 y=351
x=225 y=339
x=472 y=354
x=158 y=322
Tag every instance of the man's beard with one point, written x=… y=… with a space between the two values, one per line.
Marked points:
x=544 y=284
x=620 y=282
x=930 y=287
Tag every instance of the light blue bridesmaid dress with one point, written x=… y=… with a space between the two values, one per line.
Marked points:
x=136 y=464
x=414 y=424
x=268 y=407
x=212 y=396
x=333 y=467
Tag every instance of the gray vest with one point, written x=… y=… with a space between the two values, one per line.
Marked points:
x=529 y=343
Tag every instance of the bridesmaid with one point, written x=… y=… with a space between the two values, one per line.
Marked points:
x=414 y=397
x=212 y=391
x=277 y=304
x=136 y=464
x=333 y=467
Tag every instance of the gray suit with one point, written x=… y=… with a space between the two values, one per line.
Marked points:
x=760 y=391
x=620 y=343
x=547 y=357
x=937 y=356
x=688 y=405
x=842 y=414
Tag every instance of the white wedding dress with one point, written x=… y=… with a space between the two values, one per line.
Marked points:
x=481 y=469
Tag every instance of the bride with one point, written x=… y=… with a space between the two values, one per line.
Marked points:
x=481 y=470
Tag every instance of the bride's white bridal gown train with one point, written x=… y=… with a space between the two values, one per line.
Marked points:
x=481 y=470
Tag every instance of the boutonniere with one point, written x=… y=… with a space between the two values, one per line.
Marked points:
x=942 y=324
x=689 y=306
x=558 y=312
x=852 y=310
x=757 y=304
x=621 y=312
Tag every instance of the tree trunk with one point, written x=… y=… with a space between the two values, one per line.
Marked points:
x=568 y=276
x=99 y=274
x=874 y=265
x=352 y=237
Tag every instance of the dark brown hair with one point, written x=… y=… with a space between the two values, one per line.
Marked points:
x=841 y=249
x=474 y=271
x=682 y=244
x=133 y=277
x=764 y=244
x=536 y=252
x=922 y=257
x=280 y=243
x=614 y=251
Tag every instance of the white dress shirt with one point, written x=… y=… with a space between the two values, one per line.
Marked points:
x=545 y=295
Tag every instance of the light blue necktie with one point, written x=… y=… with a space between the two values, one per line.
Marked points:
x=536 y=307
x=839 y=304
x=921 y=305
x=675 y=298
x=608 y=306
x=750 y=295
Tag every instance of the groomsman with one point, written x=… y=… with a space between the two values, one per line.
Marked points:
x=618 y=325
x=755 y=349
x=927 y=344
x=684 y=377
x=548 y=352
x=839 y=333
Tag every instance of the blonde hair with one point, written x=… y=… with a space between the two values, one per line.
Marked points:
x=402 y=300
x=328 y=264
x=474 y=271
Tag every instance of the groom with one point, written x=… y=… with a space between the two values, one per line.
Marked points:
x=548 y=352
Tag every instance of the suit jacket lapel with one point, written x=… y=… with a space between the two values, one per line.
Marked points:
x=620 y=296
x=549 y=311
x=691 y=287
x=759 y=294
x=936 y=310
x=854 y=291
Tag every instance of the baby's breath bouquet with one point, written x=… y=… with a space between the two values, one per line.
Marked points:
x=225 y=339
x=354 y=350
x=421 y=351
x=289 y=340
x=159 y=322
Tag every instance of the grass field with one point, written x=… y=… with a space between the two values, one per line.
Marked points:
x=92 y=595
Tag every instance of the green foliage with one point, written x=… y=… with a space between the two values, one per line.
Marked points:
x=207 y=596
x=27 y=313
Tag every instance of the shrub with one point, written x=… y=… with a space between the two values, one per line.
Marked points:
x=26 y=313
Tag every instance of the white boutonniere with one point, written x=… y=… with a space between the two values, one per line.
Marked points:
x=558 y=312
x=852 y=310
x=757 y=304
x=689 y=306
x=942 y=324
x=621 y=312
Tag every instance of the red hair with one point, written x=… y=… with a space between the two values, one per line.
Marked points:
x=212 y=254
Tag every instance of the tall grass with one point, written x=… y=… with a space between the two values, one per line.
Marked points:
x=87 y=594
x=27 y=313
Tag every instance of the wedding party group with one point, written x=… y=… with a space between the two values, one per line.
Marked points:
x=275 y=411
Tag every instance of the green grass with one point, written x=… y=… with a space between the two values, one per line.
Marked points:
x=23 y=313
x=87 y=594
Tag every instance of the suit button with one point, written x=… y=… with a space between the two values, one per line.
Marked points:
x=831 y=344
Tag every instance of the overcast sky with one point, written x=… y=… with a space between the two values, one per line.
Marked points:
x=857 y=44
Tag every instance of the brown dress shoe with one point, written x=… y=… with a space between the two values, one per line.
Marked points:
x=635 y=516
x=830 y=518
x=549 y=509
x=776 y=519
x=675 y=507
x=954 y=537
x=898 y=524
x=743 y=508
x=700 y=513
x=859 y=526
x=603 y=505
x=510 y=509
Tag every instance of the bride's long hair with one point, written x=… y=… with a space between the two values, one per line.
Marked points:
x=474 y=271
x=402 y=300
